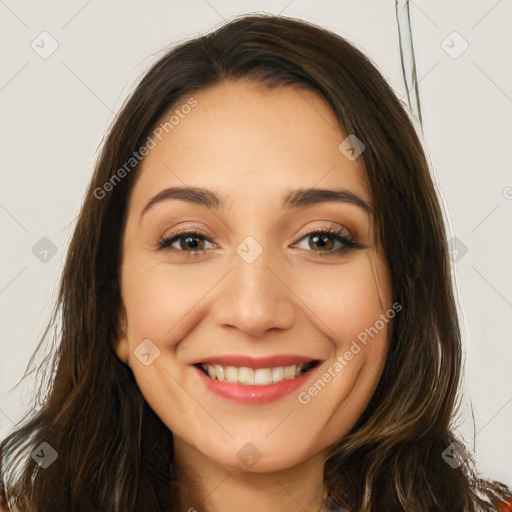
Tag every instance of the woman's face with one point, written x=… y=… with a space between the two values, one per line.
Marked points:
x=260 y=289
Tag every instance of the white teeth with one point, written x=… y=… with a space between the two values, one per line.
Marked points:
x=290 y=372
x=211 y=371
x=246 y=376
x=250 y=377
x=263 y=377
x=219 y=371
x=277 y=374
x=231 y=374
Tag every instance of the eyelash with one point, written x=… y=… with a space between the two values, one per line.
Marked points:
x=349 y=244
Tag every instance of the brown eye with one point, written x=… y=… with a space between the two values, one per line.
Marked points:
x=325 y=241
x=318 y=242
x=188 y=242
x=191 y=242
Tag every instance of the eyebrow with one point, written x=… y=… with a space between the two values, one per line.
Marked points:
x=300 y=198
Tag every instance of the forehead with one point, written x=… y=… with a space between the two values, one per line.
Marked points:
x=241 y=136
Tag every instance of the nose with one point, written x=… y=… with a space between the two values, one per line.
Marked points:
x=254 y=298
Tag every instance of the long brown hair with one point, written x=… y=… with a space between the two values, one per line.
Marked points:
x=114 y=453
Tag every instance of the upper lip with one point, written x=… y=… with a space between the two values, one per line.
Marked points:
x=255 y=362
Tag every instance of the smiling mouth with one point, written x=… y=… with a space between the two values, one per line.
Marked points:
x=255 y=377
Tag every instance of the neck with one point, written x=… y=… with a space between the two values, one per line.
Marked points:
x=207 y=486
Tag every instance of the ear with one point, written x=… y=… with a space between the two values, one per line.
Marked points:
x=120 y=342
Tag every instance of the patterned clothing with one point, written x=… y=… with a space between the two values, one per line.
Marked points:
x=506 y=507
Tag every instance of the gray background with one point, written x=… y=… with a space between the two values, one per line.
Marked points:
x=55 y=111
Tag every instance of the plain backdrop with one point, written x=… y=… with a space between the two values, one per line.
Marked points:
x=55 y=109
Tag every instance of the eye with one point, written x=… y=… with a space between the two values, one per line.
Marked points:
x=187 y=242
x=320 y=241
x=325 y=240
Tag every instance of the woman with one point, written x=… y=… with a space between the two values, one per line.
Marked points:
x=256 y=307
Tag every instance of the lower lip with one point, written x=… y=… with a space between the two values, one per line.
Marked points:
x=254 y=395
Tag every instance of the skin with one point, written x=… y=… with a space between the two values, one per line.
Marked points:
x=252 y=145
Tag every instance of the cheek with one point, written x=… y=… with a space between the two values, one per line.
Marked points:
x=346 y=298
x=367 y=316
x=159 y=299
x=355 y=308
